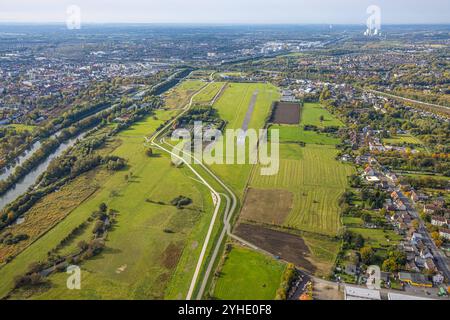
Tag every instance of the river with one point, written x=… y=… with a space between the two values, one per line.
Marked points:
x=24 y=157
x=20 y=160
x=30 y=179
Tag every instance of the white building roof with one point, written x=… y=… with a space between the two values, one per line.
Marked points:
x=399 y=296
x=354 y=293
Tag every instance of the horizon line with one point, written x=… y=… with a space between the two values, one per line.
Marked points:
x=225 y=23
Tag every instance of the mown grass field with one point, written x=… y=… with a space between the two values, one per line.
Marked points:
x=141 y=261
x=298 y=134
x=232 y=107
x=311 y=113
x=403 y=138
x=248 y=275
x=317 y=181
x=312 y=173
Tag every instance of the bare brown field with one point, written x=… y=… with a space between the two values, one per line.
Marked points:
x=267 y=206
x=286 y=113
x=287 y=246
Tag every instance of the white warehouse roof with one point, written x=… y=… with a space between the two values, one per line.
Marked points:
x=354 y=293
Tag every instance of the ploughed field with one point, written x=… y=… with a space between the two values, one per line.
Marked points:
x=286 y=113
x=288 y=246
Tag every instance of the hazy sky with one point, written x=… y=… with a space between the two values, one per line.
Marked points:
x=227 y=11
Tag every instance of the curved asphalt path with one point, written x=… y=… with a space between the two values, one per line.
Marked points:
x=231 y=202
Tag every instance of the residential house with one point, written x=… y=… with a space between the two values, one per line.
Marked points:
x=372 y=179
x=423 y=197
x=430 y=208
x=409 y=248
x=392 y=177
x=385 y=185
x=439 y=202
x=415 y=238
x=389 y=205
x=385 y=276
x=438 y=279
x=414 y=196
x=411 y=265
x=395 y=195
x=425 y=253
x=420 y=262
x=369 y=171
x=429 y=265
x=444 y=233
x=439 y=221
x=376 y=147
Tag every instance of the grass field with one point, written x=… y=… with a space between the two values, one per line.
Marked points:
x=406 y=139
x=267 y=205
x=377 y=238
x=298 y=134
x=48 y=212
x=179 y=96
x=232 y=107
x=425 y=176
x=208 y=94
x=317 y=181
x=315 y=178
x=403 y=138
x=323 y=251
x=248 y=275
x=311 y=113
x=141 y=261
x=22 y=127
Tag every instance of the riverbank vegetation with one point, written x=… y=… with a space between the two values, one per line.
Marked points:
x=72 y=164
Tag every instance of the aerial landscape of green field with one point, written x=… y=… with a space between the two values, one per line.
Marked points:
x=232 y=107
x=224 y=155
x=177 y=232
x=317 y=181
x=313 y=177
x=248 y=275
